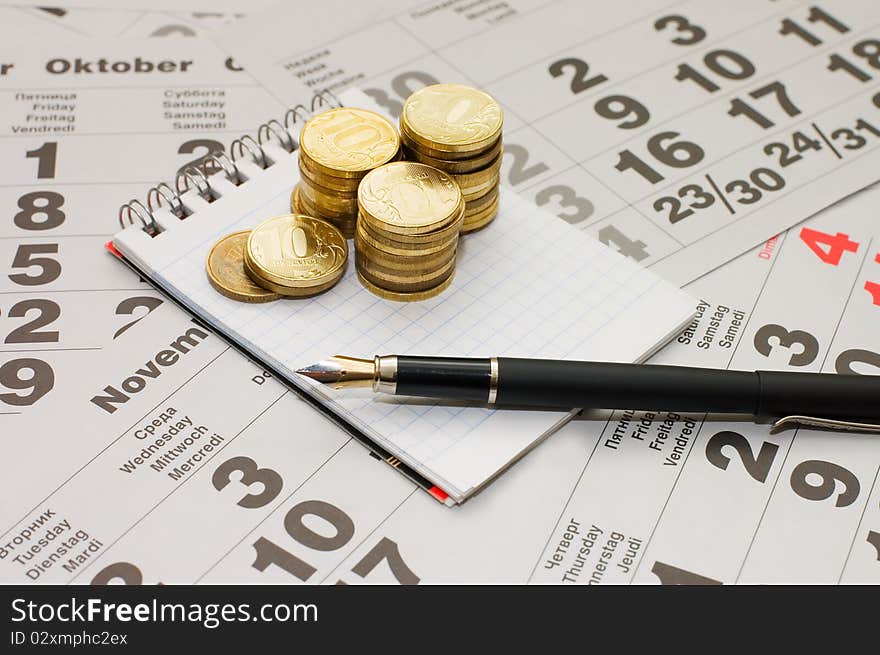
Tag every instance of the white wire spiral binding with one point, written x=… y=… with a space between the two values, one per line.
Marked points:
x=197 y=176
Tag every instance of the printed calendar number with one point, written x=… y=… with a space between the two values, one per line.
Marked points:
x=787 y=154
x=388 y=551
x=251 y=474
x=830 y=249
x=580 y=74
x=30 y=256
x=834 y=246
x=25 y=374
x=817 y=18
x=807 y=343
x=846 y=362
x=403 y=86
x=686 y=32
x=172 y=30
x=630 y=112
x=725 y=64
x=129 y=306
x=775 y=90
x=125 y=572
x=672 y=575
x=611 y=236
x=693 y=197
x=47 y=312
x=40 y=210
x=758 y=466
x=580 y=209
x=873 y=538
x=45 y=156
x=812 y=479
x=210 y=147
x=665 y=149
x=829 y=475
x=520 y=171
x=269 y=553
x=867 y=54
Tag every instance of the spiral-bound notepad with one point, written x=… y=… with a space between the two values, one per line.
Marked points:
x=528 y=285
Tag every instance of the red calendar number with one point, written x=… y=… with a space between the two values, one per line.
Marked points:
x=874 y=287
x=835 y=248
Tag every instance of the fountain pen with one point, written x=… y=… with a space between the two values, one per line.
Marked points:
x=841 y=402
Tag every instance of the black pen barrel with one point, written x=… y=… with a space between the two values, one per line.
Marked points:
x=549 y=383
x=842 y=397
x=600 y=385
x=452 y=378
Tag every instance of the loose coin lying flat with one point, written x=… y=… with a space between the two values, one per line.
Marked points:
x=226 y=272
x=296 y=255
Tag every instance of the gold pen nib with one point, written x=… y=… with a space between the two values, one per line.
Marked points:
x=341 y=371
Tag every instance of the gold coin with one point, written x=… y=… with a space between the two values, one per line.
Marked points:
x=296 y=255
x=391 y=263
x=478 y=204
x=451 y=166
x=402 y=248
x=427 y=277
x=422 y=239
x=479 y=177
x=295 y=207
x=447 y=156
x=452 y=118
x=347 y=142
x=319 y=210
x=287 y=291
x=413 y=296
x=335 y=204
x=409 y=198
x=473 y=193
x=480 y=219
x=339 y=184
x=331 y=193
x=226 y=272
x=405 y=287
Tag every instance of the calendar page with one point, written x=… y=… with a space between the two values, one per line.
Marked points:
x=26 y=25
x=86 y=126
x=225 y=6
x=628 y=497
x=681 y=134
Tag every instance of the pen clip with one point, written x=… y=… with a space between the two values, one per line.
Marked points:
x=823 y=424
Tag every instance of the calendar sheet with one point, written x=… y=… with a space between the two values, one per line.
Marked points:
x=86 y=126
x=608 y=499
x=681 y=134
x=225 y=6
x=504 y=301
x=25 y=25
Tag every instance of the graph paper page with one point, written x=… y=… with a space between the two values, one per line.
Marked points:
x=527 y=285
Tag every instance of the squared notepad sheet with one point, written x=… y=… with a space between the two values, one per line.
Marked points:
x=528 y=285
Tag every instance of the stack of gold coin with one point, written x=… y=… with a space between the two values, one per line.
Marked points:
x=407 y=231
x=337 y=148
x=291 y=255
x=457 y=129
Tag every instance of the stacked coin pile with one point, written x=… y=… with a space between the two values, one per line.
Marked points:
x=457 y=129
x=337 y=148
x=291 y=255
x=407 y=231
